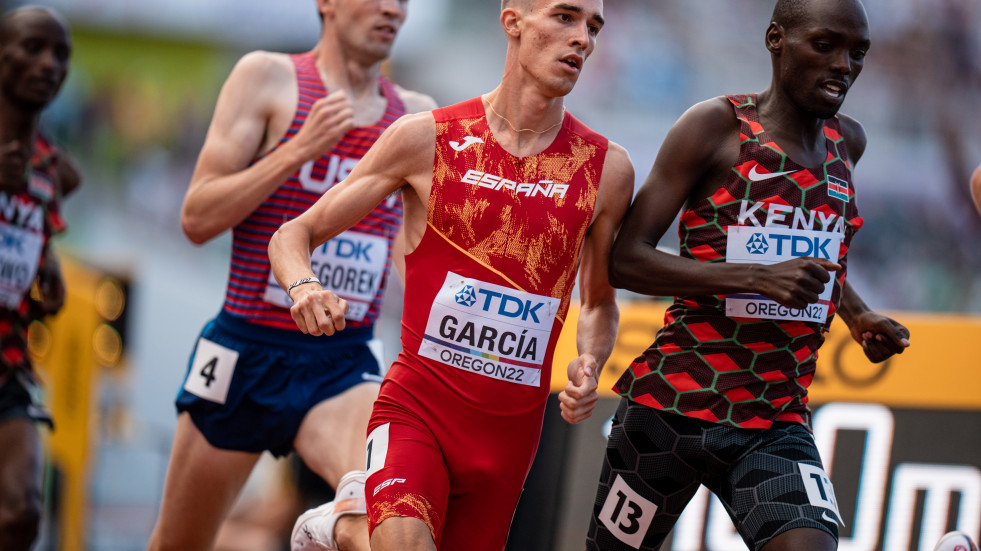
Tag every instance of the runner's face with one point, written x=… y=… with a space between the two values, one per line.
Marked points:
x=556 y=39
x=824 y=55
x=34 y=60
x=371 y=25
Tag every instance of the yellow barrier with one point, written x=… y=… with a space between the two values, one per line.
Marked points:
x=940 y=370
x=67 y=364
x=70 y=352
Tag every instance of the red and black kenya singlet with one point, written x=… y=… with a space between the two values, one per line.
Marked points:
x=742 y=360
x=27 y=220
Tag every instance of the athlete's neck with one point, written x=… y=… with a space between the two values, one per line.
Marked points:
x=358 y=78
x=343 y=72
x=523 y=125
x=799 y=134
x=17 y=123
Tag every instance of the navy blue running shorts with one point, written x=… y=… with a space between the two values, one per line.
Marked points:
x=248 y=387
x=769 y=480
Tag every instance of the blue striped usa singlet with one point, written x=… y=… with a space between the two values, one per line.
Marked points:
x=356 y=263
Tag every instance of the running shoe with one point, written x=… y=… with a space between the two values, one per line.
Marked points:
x=314 y=530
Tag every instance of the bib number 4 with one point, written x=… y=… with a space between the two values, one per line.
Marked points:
x=211 y=371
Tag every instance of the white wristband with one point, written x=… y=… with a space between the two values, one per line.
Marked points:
x=299 y=282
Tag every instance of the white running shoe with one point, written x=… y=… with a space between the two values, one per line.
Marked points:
x=956 y=541
x=314 y=530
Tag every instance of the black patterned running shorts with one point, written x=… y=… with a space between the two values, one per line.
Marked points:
x=769 y=480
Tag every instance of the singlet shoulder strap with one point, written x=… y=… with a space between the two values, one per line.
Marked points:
x=575 y=126
x=469 y=109
x=749 y=117
x=391 y=93
x=307 y=74
x=836 y=140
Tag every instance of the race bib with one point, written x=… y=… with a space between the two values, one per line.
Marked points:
x=211 y=371
x=751 y=244
x=627 y=514
x=351 y=264
x=489 y=330
x=20 y=254
x=820 y=492
x=376 y=452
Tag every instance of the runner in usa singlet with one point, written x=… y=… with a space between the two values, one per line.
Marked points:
x=252 y=359
x=354 y=264
x=492 y=275
x=744 y=360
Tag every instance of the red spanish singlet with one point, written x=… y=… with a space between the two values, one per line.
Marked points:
x=457 y=421
x=742 y=359
x=27 y=220
x=354 y=264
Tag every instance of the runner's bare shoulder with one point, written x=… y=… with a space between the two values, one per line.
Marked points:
x=263 y=76
x=415 y=102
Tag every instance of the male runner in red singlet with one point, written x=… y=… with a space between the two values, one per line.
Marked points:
x=764 y=185
x=506 y=196
x=285 y=129
x=976 y=188
x=35 y=47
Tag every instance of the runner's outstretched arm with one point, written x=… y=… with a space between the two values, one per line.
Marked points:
x=390 y=164
x=599 y=316
x=696 y=156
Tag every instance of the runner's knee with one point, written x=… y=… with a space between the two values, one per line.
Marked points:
x=351 y=531
x=402 y=534
x=802 y=539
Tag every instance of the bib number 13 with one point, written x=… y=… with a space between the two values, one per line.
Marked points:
x=626 y=514
x=211 y=371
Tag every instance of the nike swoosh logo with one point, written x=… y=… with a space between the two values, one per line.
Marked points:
x=824 y=515
x=467 y=142
x=757 y=176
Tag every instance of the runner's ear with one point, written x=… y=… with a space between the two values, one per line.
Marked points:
x=511 y=22
x=327 y=7
x=774 y=38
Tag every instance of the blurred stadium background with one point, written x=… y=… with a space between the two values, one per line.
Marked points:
x=134 y=112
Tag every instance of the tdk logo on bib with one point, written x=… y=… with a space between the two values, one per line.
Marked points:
x=490 y=330
x=746 y=244
x=466 y=296
x=13 y=242
x=792 y=245
x=353 y=249
x=352 y=264
x=502 y=304
x=757 y=244
x=510 y=306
